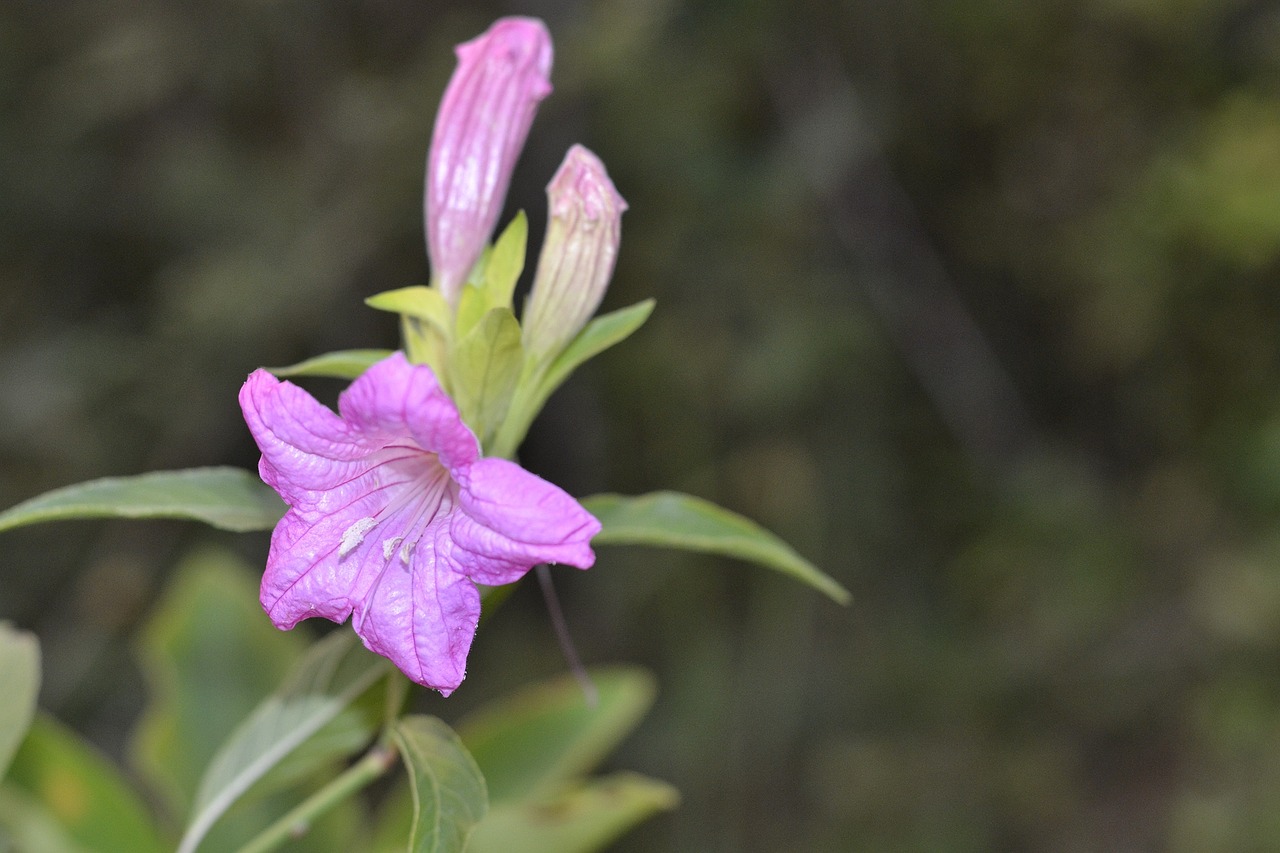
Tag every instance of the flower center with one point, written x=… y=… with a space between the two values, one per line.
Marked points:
x=415 y=503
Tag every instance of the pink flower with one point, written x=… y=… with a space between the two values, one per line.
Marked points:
x=394 y=516
x=480 y=129
x=583 y=232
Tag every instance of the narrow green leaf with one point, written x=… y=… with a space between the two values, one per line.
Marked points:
x=674 y=520
x=596 y=337
x=505 y=262
x=539 y=381
x=20 y=675
x=472 y=306
x=226 y=498
x=344 y=364
x=582 y=819
x=448 y=791
x=485 y=367
x=328 y=679
x=533 y=742
x=84 y=793
x=423 y=303
x=209 y=656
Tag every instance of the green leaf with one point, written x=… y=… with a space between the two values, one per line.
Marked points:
x=539 y=381
x=328 y=679
x=209 y=655
x=422 y=303
x=82 y=791
x=533 y=742
x=484 y=369
x=674 y=520
x=344 y=364
x=582 y=819
x=26 y=825
x=20 y=675
x=505 y=262
x=448 y=791
x=596 y=337
x=472 y=306
x=226 y=498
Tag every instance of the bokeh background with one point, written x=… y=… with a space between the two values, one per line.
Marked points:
x=974 y=301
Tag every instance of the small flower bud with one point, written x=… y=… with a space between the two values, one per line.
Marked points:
x=481 y=127
x=583 y=232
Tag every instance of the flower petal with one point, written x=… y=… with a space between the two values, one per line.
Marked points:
x=306 y=448
x=394 y=400
x=511 y=520
x=422 y=618
x=325 y=556
x=482 y=124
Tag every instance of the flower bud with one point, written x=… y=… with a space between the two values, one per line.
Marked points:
x=481 y=127
x=584 y=229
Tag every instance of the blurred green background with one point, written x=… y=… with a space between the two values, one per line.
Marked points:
x=974 y=301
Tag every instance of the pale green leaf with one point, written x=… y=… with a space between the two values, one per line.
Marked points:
x=209 y=655
x=485 y=367
x=472 y=306
x=539 y=381
x=20 y=675
x=82 y=791
x=328 y=679
x=505 y=262
x=419 y=302
x=226 y=498
x=533 y=742
x=26 y=825
x=344 y=364
x=674 y=520
x=448 y=791
x=597 y=336
x=583 y=819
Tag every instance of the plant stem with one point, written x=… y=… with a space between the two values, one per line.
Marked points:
x=298 y=820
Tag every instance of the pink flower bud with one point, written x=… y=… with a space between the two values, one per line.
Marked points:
x=578 y=254
x=480 y=129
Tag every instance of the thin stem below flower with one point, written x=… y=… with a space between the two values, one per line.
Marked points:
x=562 y=634
x=298 y=820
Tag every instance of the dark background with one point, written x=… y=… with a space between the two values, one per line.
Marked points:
x=974 y=301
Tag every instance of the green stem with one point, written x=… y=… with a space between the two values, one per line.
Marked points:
x=298 y=820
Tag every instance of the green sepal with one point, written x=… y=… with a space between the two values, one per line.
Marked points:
x=343 y=364
x=484 y=368
x=674 y=520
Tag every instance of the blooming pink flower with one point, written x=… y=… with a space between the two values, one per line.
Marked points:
x=394 y=516
x=481 y=127
x=584 y=230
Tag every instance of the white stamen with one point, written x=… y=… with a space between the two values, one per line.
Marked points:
x=354 y=535
x=389 y=546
